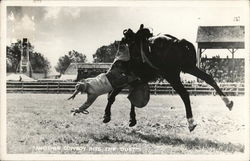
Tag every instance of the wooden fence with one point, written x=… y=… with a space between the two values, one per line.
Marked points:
x=155 y=88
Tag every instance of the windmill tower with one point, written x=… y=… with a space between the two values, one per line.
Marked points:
x=25 y=67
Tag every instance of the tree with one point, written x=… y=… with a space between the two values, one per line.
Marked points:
x=39 y=63
x=72 y=57
x=106 y=54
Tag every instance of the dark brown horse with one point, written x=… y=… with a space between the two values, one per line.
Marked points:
x=163 y=56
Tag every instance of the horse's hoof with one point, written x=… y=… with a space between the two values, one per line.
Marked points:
x=106 y=119
x=192 y=127
x=191 y=124
x=230 y=105
x=132 y=123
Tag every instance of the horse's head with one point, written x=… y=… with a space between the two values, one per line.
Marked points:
x=129 y=36
x=130 y=39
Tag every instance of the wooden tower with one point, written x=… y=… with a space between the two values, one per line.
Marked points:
x=24 y=65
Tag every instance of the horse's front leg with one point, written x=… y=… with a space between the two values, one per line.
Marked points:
x=111 y=100
x=132 y=120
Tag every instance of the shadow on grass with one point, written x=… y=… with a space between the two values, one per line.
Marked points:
x=113 y=139
x=196 y=143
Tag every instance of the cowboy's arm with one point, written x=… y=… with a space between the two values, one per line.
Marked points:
x=91 y=98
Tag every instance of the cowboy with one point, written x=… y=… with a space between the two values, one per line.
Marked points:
x=99 y=85
x=117 y=77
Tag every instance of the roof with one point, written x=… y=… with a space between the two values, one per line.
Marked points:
x=94 y=65
x=53 y=72
x=221 y=37
x=68 y=77
x=220 y=34
x=73 y=67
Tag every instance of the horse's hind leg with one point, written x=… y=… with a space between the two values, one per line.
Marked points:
x=209 y=80
x=132 y=121
x=175 y=82
x=111 y=100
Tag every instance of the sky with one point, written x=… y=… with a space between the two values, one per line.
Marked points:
x=55 y=30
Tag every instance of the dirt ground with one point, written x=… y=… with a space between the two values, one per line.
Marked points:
x=42 y=123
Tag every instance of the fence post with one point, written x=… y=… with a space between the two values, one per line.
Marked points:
x=58 y=87
x=47 y=87
x=22 y=87
x=237 y=89
x=195 y=89
x=155 y=88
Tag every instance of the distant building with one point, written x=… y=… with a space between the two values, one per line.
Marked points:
x=84 y=70
x=231 y=38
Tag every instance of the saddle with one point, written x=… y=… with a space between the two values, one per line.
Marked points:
x=143 y=35
x=148 y=41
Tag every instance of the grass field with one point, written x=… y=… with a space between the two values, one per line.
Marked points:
x=42 y=123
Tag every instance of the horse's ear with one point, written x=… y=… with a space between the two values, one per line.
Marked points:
x=125 y=31
x=128 y=32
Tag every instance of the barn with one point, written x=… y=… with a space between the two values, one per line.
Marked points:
x=84 y=70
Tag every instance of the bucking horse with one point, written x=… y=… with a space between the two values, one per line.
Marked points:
x=152 y=57
x=163 y=56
